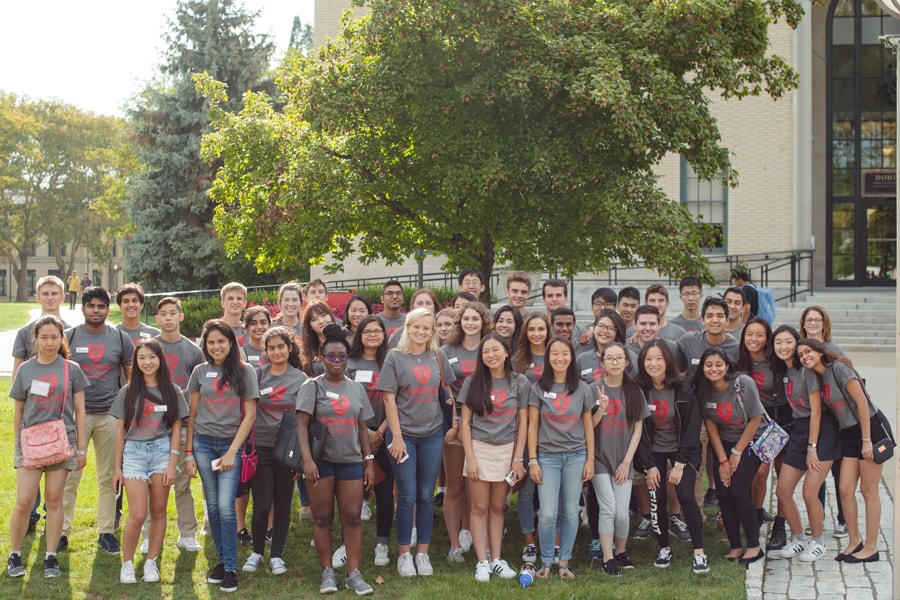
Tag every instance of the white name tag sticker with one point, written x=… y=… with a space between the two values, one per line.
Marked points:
x=587 y=371
x=651 y=407
x=492 y=398
x=531 y=366
x=145 y=335
x=332 y=395
x=550 y=395
x=711 y=405
x=363 y=376
x=212 y=375
x=160 y=408
x=256 y=358
x=40 y=388
x=81 y=350
x=695 y=361
x=266 y=391
x=784 y=380
x=453 y=360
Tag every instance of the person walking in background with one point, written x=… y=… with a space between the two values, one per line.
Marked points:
x=73 y=285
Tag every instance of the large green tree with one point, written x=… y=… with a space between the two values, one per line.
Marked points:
x=510 y=131
x=57 y=164
x=174 y=245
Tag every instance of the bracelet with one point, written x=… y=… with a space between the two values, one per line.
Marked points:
x=867 y=440
x=678 y=465
x=175 y=452
x=519 y=460
x=722 y=463
x=811 y=445
x=532 y=463
x=457 y=418
x=736 y=452
x=811 y=450
x=187 y=458
x=369 y=457
x=188 y=451
x=233 y=450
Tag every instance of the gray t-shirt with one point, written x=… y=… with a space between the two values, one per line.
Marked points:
x=799 y=383
x=662 y=414
x=416 y=379
x=535 y=369
x=142 y=332
x=725 y=410
x=241 y=335
x=462 y=361
x=671 y=331
x=254 y=357
x=613 y=434
x=219 y=412
x=101 y=356
x=762 y=376
x=297 y=329
x=340 y=409
x=368 y=373
x=392 y=324
x=561 y=427
x=834 y=394
x=507 y=397
x=182 y=357
x=150 y=424
x=39 y=387
x=691 y=347
x=277 y=395
x=689 y=325
x=23 y=345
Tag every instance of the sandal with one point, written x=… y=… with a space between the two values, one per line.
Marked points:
x=565 y=572
x=544 y=571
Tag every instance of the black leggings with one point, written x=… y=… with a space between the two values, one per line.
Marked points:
x=685 y=492
x=384 y=498
x=273 y=485
x=735 y=501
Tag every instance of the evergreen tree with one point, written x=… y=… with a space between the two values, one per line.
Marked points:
x=174 y=245
x=301 y=37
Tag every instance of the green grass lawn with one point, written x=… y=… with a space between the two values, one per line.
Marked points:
x=90 y=573
x=14 y=314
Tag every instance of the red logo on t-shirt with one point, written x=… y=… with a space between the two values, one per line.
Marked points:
x=172 y=362
x=826 y=392
x=53 y=380
x=95 y=352
x=422 y=373
x=149 y=407
x=789 y=388
x=724 y=410
x=467 y=367
x=241 y=340
x=538 y=369
x=759 y=378
x=613 y=408
x=373 y=385
x=662 y=408
x=561 y=402
x=340 y=405
x=277 y=394
x=499 y=397
x=599 y=373
x=220 y=386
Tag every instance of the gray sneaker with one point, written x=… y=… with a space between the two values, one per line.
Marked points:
x=356 y=583
x=329 y=582
x=14 y=566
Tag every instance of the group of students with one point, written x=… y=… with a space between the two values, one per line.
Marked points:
x=520 y=401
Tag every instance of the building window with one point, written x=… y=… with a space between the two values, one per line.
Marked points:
x=2 y=282
x=707 y=201
x=31 y=281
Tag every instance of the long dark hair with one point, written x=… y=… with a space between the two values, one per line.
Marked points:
x=828 y=356
x=287 y=335
x=617 y=320
x=779 y=367
x=355 y=298
x=54 y=321
x=745 y=361
x=356 y=346
x=136 y=389
x=311 y=338
x=643 y=379
x=701 y=383
x=233 y=366
x=523 y=357
x=631 y=391
x=478 y=398
x=517 y=319
x=546 y=380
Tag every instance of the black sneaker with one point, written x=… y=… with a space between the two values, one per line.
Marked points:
x=51 y=567
x=108 y=543
x=439 y=499
x=245 y=538
x=229 y=582
x=624 y=560
x=63 y=544
x=269 y=536
x=14 y=566
x=611 y=568
x=710 y=497
x=217 y=574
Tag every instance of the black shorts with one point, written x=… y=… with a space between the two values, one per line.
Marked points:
x=852 y=438
x=828 y=446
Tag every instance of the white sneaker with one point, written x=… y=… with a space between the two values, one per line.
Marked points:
x=126 y=573
x=529 y=553
x=382 y=558
x=795 y=548
x=482 y=571
x=502 y=569
x=254 y=561
x=339 y=557
x=188 y=543
x=366 y=512
x=465 y=540
x=413 y=537
x=145 y=546
x=405 y=566
x=276 y=565
x=814 y=551
x=456 y=555
x=423 y=565
x=151 y=571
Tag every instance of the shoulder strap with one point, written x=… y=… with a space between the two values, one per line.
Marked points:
x=740 y=397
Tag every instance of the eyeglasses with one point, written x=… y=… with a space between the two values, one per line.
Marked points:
x=332 y=357
x=392 y=293
x=468 y=282
x=602 y=304
x=614 y=360
x=690 y=294
x=373 y=331
x=814 y=319
x=606 y=328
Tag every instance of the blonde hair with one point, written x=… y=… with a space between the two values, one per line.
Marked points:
x=412 y=317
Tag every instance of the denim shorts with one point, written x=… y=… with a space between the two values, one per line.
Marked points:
x=140 y=460
x=341 y=472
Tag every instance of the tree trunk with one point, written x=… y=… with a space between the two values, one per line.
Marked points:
x=486 y=261
x=20 y=271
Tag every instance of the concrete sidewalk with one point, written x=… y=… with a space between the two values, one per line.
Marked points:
x=7 y=338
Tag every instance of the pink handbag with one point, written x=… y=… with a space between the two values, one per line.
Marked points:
x=47 y=443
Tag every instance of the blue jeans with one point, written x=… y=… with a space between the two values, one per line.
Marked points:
x=220 y=488
x=415 y=480
x=559 y=492
x=525 y=505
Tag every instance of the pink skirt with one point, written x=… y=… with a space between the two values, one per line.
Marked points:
x=493 y=461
